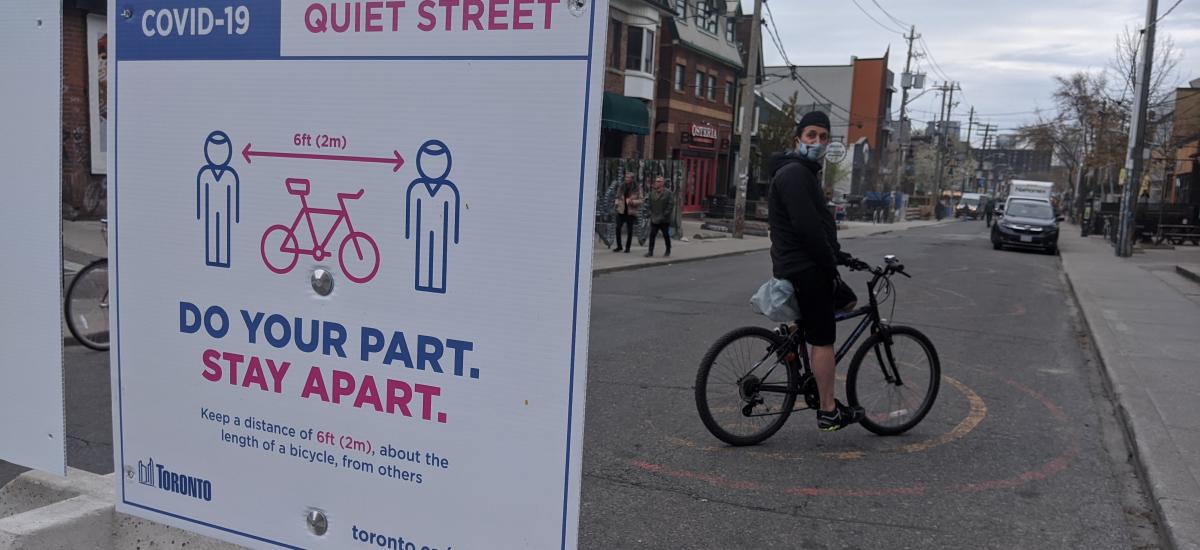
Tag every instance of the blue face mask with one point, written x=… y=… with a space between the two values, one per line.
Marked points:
x=812 y=152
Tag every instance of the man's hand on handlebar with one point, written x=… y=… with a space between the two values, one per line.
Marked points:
x=854 y=264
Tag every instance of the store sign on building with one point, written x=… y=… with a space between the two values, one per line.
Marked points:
x=703 y=136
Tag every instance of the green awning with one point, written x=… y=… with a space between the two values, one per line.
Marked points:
x=625 y=114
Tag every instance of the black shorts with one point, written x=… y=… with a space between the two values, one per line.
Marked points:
x=814 y=296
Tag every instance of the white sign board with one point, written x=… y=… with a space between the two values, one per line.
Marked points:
x=438 y=162
x=31 y=396
x=836 y=152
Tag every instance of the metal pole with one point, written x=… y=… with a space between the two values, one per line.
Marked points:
x=1137 y=137
x=905 y=136
x=748 y=105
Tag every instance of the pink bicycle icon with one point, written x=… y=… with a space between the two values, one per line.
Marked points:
x=280 y=243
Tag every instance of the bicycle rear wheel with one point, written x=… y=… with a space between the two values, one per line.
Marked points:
x=745 y=390
x=86 y=306
x=895 y=383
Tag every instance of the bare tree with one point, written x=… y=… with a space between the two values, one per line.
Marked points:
x=1122 y=68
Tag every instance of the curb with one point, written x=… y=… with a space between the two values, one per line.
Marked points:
x=633 y=267
x=1140 y=461
x=40 y=510
x=1189 y=272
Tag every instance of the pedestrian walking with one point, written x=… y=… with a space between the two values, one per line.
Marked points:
x=629 y=200
x=989 y=211
x=662 y=206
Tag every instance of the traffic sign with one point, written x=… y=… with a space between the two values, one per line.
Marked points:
x=836 y=152
x=325 y=336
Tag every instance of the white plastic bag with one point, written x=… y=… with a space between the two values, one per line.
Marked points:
x=776 y=299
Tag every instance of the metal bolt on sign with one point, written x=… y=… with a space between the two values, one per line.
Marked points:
x=577 y=7
x=317 y=522
x=127 y=13
x=322 y=281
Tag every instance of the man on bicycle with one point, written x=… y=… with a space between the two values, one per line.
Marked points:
x=805 y=251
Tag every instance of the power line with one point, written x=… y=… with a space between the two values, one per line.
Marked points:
x=890 y=16
x=872 y=18
x=1173 y=6
x=933 y=61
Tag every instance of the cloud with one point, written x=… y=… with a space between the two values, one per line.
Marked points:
x=1004 y=52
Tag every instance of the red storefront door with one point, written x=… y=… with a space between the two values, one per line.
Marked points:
x=701 y=179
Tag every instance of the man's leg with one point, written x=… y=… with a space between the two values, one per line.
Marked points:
x=653 y=234
x=666 y=231
x=629 y=219
x=824 y=371
x=620 y=222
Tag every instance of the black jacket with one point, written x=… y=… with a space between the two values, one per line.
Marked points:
x=803 y=233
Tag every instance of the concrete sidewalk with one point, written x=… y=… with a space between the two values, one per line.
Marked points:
x=702 y=244
x=1144 y=319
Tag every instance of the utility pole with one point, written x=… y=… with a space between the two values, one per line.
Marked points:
x=748 y=105
x=905 y=132
x=970 y=125
x=1134 y=161
x=947 y=90
x=940 y=130
x=987 y=131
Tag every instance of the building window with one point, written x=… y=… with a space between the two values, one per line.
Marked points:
x=681 y=10
x=648 y=51
x=712 y=88
x=706 y=15
x=699 y=84
x=729 y=91
x=729 y=29
x=614 y=55
x=679 y=77
x=639 y=52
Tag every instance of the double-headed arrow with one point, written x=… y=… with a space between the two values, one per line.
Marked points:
x=397 y=161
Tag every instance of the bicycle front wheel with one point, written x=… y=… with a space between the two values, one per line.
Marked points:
x=894 y=382
x=745 y=389
x=86 y=306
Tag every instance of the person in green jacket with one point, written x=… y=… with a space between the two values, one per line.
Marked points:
x=662 y=207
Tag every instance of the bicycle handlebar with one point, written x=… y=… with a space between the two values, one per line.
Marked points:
x=855 y=264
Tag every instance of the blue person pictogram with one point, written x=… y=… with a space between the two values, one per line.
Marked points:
x=432 y=210
x=218 y=198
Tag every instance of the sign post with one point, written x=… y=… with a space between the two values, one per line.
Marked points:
x=31 y=396
x=352 y=268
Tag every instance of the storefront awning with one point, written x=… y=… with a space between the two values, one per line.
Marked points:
x=625 y=114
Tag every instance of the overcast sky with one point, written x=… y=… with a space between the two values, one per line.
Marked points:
x=1004 y=53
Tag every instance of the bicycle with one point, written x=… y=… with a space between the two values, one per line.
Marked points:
x=894 y=375
x=280 y=246
x=85 y=308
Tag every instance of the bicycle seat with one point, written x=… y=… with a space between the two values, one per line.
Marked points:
x=297 y=186
x=350 y=196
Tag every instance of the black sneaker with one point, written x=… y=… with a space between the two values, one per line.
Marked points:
x=841 y=417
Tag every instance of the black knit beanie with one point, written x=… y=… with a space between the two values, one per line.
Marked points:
x=814 y=118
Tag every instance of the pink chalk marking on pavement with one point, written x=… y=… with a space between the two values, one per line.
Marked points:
x=396 y=160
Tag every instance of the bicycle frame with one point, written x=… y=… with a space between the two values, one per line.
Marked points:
x=871 y=320
x=306 y=213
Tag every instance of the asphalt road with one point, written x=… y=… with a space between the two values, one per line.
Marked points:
x=1021 y=449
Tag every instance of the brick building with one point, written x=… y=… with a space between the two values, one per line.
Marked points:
x=858 y=99
x=84 y=179
x=631 y=67
x=699 y=65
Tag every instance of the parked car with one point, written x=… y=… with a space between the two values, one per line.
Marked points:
x=1027 y=223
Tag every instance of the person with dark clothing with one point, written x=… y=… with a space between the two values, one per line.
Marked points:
x=662 y=206
x=805 y=251
x=629 y=200
x=989 y=211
